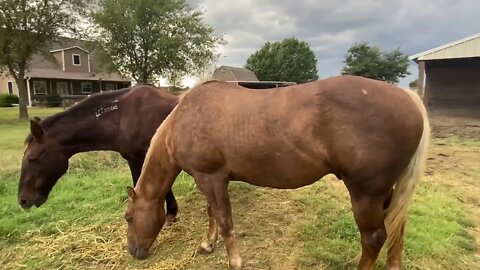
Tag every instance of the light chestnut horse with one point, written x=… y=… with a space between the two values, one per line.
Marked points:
x=370 y=134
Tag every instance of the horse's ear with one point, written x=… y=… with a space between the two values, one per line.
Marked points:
x=37 y=119
x=131 y=193
x=36 y=129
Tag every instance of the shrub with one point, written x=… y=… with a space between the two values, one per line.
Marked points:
x=54 y=100
x=6 y=100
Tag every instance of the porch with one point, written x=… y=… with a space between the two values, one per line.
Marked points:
x=41 y=90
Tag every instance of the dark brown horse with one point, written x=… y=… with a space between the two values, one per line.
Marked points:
x=370 y=134
x=123 y=121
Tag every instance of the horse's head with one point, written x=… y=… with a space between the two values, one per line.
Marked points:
x=145 y=217
x=42 y=165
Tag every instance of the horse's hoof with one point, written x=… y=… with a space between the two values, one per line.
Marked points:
x=235 y=264
x=205 y=248
x=169 y=221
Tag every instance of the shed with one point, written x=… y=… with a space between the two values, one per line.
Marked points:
x=449 y=75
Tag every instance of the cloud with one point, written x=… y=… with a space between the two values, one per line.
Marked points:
x=331 y=27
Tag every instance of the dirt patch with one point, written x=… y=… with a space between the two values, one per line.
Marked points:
x=446 y=125
x=265 y=227
x=455 y=164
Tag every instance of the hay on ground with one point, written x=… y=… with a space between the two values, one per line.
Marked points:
x=100 y=246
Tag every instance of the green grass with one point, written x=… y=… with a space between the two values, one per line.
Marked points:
x=437 y=230
x=309 y=228
x=92 y=191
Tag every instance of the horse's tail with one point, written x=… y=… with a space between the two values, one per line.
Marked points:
x=397 y=211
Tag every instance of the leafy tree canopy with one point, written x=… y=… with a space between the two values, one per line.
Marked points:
x=29 y=26
x=413 y=84
x=150 y=38
x=288 y=60
x=369 y=61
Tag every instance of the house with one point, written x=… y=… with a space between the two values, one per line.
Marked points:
x=66 y=68
x=245 y=78
x=449 y=75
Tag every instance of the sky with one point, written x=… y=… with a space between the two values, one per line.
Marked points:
x=331 y=27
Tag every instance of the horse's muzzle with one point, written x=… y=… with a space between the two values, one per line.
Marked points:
x=27 y=203
x=138 y=253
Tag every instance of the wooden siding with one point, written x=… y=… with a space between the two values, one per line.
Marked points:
x=58 y=58
x=70 y=67
x=453 y=84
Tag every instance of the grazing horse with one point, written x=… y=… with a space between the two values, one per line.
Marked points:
x=123 y=121
x=370 y=134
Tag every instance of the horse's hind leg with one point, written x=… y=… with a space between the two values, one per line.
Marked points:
x=215 y=188
x=369 y=216
x=206 y=247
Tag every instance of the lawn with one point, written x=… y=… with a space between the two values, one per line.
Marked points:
x=81 y=224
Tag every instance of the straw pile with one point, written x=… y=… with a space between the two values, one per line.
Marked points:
x=100 y=246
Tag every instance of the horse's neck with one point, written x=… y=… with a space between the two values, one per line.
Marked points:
x=84 y=134
x=159 y=170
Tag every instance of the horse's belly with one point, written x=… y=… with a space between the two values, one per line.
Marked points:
x=289 y=176
x=281 y=183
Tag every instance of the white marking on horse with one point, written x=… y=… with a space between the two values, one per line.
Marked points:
x=364 y=91
x=104 y=110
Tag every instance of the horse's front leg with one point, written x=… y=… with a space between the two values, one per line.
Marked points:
x=172 y=209
x=215 y=188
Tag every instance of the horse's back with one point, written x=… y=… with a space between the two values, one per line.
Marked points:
x=333 y=125
x=237 y=129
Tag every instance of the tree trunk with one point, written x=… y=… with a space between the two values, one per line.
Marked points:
x=144 y=77
x=22 y=96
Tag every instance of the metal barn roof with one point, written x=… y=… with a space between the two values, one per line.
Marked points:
x=463 y=48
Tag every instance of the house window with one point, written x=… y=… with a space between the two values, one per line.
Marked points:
x=76 y=59
x=10 y=87
x=86 y=87
x=39 y=87
x=110 y=86
x=62 y=88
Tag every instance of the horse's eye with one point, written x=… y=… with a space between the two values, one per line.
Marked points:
x=129 y=218
x=34 y=157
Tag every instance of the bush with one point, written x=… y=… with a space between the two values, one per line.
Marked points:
x=54 y=100
x=6 y=100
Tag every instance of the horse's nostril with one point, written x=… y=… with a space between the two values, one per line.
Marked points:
x=23 y=202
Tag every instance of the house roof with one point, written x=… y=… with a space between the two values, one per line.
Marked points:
x=45 y=65
x=69 y=48
x=59 y=74
x=462 y=48
x=228 y=73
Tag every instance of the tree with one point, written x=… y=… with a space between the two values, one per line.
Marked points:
x=369 y=61
x=413 y=84
x=150 y=38
x=27 y=27
x=289 y=60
